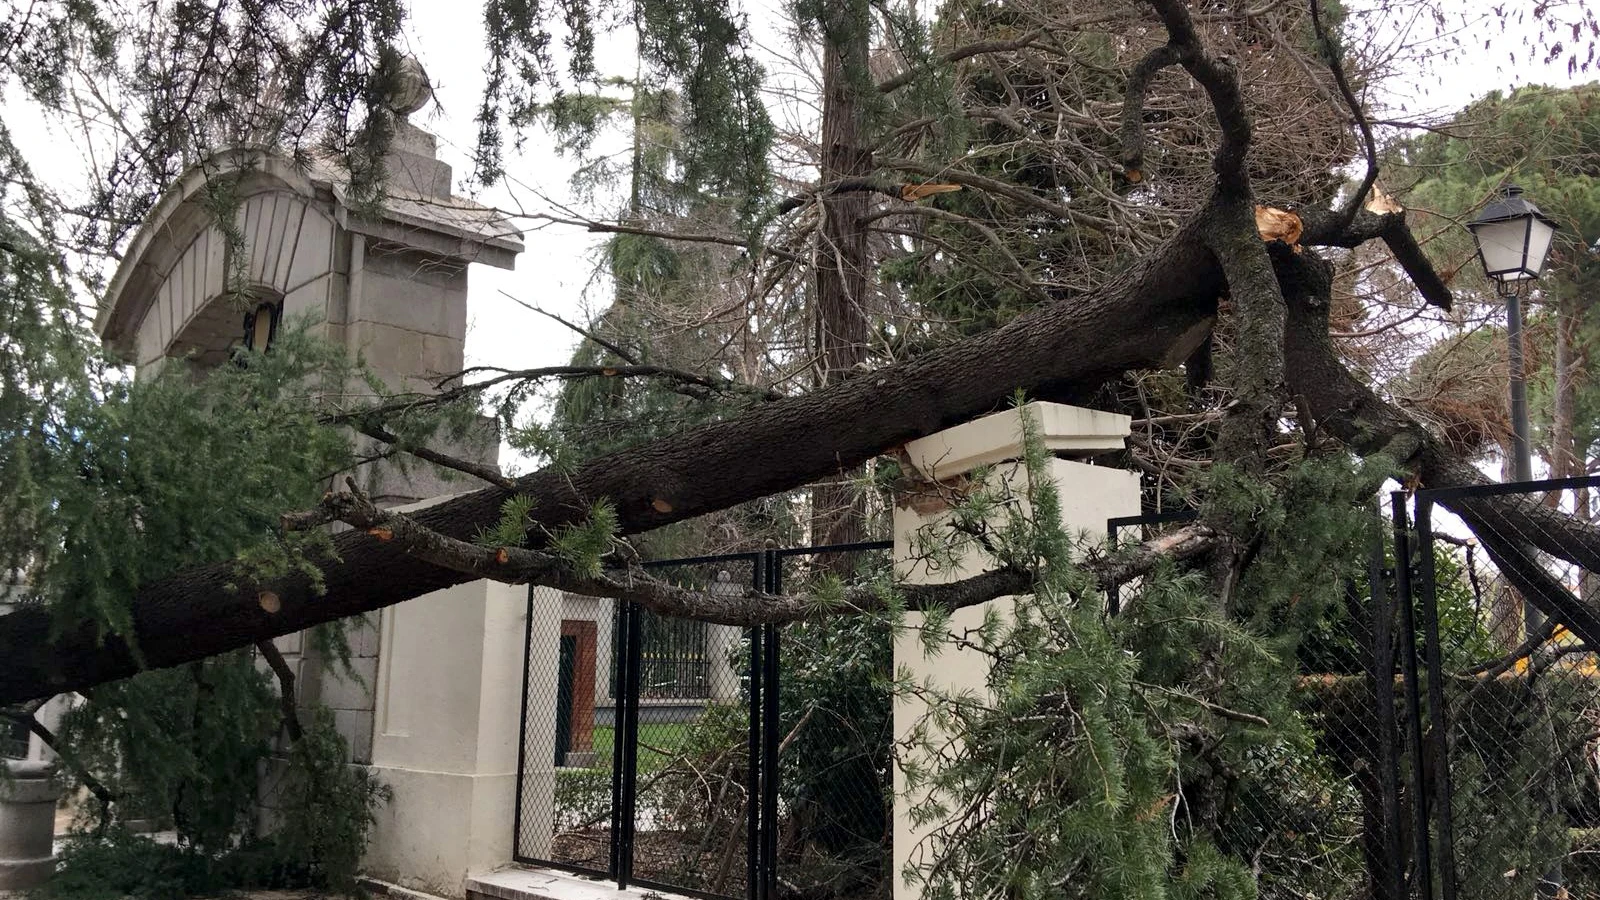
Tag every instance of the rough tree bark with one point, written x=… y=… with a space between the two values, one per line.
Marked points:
x=1151 y=316
x=841 y=277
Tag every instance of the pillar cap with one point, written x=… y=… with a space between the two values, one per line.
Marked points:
x=29 y=769
x=1066 y=431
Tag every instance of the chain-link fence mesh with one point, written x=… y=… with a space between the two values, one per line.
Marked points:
x=566 y=806
x=674 y=797
x=1516 y=812
x=1314 y=805
x=692 y=751
x=836 y=732
x=1322 y=815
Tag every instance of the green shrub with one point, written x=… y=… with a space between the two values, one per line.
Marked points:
x=122 y=865
x=583 y=797
x=328 y=807
x=184 y=748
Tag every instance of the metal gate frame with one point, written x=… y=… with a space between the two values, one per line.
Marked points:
x=764 y=735
x=1435 y=820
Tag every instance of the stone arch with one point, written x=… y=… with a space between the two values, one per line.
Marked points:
x=169 y=296
x=219 y=324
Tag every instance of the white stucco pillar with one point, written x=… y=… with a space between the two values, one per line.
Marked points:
x=1089 y=495
x=447 y=732
x=723 y=640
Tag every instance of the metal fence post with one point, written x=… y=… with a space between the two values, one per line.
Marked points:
x=771 y=716
x=522 y=727
x=1440 y=744
x=1113 y=592
x=753 y=750
x=1422 y=866
x=629 y=760
x=1382 y=658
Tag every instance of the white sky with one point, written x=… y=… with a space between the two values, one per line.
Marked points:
x=556 y=271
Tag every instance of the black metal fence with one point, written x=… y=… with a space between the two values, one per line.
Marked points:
x=711 y=760
x=1457 y=729
x=1451 y=748
x=1321 y=820
x=1508 y=787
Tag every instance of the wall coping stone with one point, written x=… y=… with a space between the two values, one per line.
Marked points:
x=996 y=438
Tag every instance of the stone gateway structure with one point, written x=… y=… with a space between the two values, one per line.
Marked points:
x=433 y=709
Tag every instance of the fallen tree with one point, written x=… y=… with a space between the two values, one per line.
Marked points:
x=1154 y=314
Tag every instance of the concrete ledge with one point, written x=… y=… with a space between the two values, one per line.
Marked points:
x=548 y=884
x=1064 y=430
x=384 y=889
x=16 y=874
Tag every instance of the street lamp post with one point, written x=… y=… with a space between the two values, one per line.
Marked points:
x=1513 y=239
x=1513 y=242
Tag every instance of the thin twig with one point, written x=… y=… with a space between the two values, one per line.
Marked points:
x=1331 y=54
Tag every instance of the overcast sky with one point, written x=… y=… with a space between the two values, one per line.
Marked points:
x=556 y=272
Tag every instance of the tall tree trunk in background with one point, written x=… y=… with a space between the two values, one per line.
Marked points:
x=842 y=283
x=1566 y=459
x=1563 y=449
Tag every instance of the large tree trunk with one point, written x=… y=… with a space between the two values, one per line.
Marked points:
x=842 y=284
x=1150 y=317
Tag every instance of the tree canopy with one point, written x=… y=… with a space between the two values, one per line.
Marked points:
x=1033 y=179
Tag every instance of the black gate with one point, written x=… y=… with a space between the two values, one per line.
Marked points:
x=677 y=756
x=1508 y=793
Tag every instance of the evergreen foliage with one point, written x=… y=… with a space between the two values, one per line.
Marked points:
x=112 y=482
x=1149 y=754
x=1544 y=139
x=697 y=49
x=186 y=749
x=1160 y=726
x=179 y=80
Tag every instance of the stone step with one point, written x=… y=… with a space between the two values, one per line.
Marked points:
x=377 y=888
x=519 y=883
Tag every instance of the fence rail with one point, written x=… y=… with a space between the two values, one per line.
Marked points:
x=1513 y=704
x=1459 y=726
x=686 y=780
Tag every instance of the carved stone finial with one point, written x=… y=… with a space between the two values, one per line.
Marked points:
x=412 y=90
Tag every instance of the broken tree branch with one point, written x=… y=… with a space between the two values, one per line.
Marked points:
x=1221 y=84
x=488 y=473
x=978 y=48
x=30 y=721
x=1336 y=66
x=287 y=700
x=1133 y=108
x=1370 y=426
